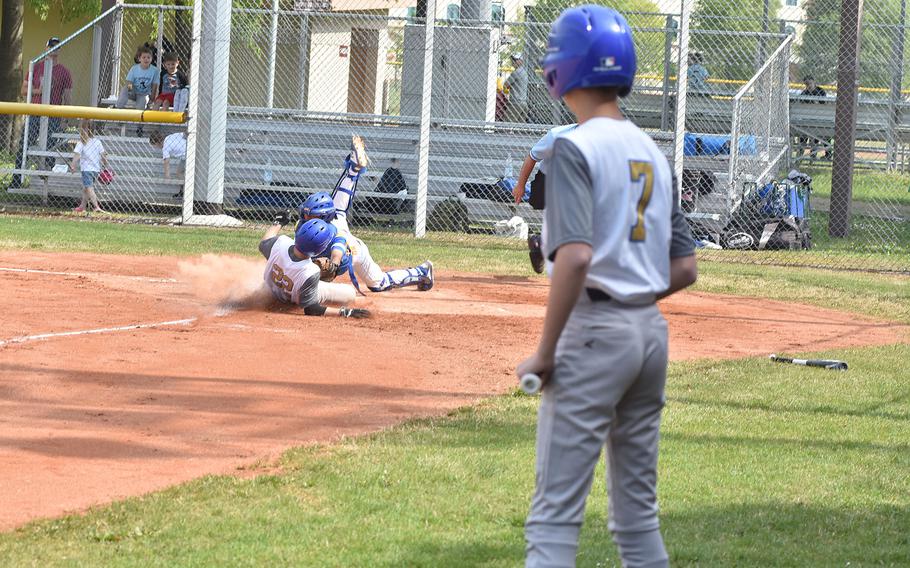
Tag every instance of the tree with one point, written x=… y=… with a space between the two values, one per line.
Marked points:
x=819 y=48
x=639 y=14
x=733 y=55
x=11 y=55
x=10 y=63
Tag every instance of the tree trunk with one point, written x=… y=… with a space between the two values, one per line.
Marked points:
x=10 y=67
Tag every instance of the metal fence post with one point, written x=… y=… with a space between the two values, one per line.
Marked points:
x=96 y=65
x=303 y=63
x=665 y=96
x=28 y=98
x=273 y=51
x=118 y=47
x=47 y=87
x=682 y=87
x=845 y=119
x=897 y=77
x=423 y=152
x=189 y=175
x=160 y=39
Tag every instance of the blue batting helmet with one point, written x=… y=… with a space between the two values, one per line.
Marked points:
x=589 y=46
x=318 y=205
x=314 y=236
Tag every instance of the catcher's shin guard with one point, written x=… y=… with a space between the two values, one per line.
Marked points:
x=402 y=277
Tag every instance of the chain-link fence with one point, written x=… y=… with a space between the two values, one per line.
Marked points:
x=281 y=87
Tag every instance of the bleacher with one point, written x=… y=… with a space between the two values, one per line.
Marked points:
x=303 y=151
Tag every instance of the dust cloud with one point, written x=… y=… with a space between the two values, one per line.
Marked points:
x=227 y=283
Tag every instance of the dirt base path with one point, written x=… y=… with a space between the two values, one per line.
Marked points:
x=94 y=409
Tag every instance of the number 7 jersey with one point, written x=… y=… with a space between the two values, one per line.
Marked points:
x=611 y=185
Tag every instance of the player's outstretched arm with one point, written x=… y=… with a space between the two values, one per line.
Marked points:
x=526 y=168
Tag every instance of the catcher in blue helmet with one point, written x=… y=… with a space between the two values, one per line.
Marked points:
x=347 y=253
x=617 y=243
x=293 y=277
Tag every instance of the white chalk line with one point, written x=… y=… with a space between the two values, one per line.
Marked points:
x=86 y=274
x=27 y=338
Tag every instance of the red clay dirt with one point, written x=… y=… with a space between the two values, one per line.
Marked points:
x=94 y=417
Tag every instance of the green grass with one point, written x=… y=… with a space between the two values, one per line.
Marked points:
x=76 y=234
x=761 y=465
x=873 y=244
x=867 y=186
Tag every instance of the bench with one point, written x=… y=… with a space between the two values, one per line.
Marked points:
x=294 y=153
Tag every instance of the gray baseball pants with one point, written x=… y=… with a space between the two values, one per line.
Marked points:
x=607 y=389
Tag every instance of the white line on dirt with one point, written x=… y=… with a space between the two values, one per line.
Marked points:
x=86 y=274
x=27 y=338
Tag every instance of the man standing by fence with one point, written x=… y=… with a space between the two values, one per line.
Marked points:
x=60 y=88
x=517 y=84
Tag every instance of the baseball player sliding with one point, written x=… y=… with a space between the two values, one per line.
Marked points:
x=292 y=276
x=347 y=253
x=618 y=243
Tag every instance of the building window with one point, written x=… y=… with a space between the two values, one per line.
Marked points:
x=791 y=2
x=498 y=13
x=453 y=12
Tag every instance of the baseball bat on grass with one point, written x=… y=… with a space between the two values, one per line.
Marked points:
x=823 y=363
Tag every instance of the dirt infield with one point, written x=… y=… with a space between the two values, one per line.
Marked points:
x=94 y=409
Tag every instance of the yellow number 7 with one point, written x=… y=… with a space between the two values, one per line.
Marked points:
x=637 y=171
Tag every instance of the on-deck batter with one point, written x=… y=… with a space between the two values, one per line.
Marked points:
x=603 y=352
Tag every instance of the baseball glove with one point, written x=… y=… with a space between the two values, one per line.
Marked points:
x=282 y=218
x=327 y=269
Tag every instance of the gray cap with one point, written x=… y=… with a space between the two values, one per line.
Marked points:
x=517 y=55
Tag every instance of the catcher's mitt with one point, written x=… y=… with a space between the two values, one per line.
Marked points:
x=327 y=269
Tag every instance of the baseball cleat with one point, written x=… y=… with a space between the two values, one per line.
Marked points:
x=535 y=253
x=359 y=159
x=426 y=280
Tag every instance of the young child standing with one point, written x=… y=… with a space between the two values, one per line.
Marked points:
x=618 y=244
x=172 y=80
x=141 y=81
x=89 y=158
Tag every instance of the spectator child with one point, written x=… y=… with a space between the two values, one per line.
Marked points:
x=172 y=146
x=89 y=157
x=141 y=81
x=172 y=80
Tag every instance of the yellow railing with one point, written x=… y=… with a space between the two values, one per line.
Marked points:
x=96 y=113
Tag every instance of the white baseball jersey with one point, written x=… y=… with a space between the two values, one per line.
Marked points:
x=543 y=149
x=289 y=280
x=612 y=188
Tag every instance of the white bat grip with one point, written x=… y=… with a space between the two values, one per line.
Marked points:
x=530 y=383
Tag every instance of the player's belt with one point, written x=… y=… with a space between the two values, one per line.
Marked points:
x=597 y=295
